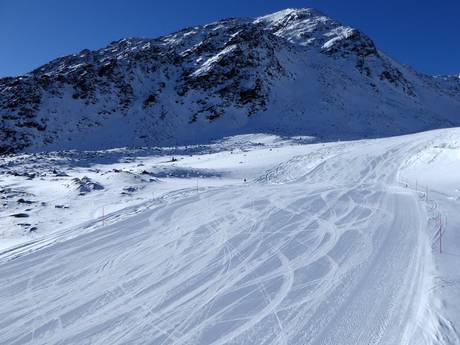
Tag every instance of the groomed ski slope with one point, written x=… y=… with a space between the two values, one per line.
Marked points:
x=327 y=246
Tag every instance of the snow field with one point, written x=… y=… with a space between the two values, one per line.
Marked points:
x=321 y=245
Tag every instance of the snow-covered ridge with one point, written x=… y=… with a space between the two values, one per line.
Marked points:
x=294 y=72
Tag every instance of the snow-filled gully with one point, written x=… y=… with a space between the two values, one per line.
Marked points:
x=336 y=254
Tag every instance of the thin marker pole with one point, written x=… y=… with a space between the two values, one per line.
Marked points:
x=440 y=234
x=103 y=216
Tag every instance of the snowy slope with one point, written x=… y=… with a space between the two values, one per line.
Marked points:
x=322 y=244
x=295 y=72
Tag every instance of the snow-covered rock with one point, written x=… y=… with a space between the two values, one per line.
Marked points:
x=86 y=185
x=294 y=72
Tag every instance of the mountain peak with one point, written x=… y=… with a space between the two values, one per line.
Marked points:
x=290 y=14
x=304 y=26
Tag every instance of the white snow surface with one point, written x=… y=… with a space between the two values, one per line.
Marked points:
x=255 y=239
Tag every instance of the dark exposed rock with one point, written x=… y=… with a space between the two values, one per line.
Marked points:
x=149 y=100
x=23 y=201
x=20 y=215
x=86 y=185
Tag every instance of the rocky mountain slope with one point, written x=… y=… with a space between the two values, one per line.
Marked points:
x=295 y=72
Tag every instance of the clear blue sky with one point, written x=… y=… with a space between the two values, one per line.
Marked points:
x=424 y=34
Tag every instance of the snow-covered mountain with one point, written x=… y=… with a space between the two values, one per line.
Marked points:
x=294 y=72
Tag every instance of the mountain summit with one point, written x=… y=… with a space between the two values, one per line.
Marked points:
x=294 y=72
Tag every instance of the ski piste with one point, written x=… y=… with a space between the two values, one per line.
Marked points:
x=255 y=239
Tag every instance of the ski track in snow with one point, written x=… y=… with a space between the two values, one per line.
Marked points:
x=330 y=251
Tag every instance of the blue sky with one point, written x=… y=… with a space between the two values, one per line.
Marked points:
x=424 y=34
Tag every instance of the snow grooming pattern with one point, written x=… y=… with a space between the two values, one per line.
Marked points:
x=334 y=256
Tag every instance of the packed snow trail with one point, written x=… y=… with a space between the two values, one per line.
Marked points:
x=334 y=253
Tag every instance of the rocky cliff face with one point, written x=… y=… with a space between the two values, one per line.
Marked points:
x=295 y=72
